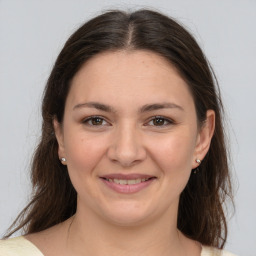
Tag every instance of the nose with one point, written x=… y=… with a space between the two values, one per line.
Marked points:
x=127 y=148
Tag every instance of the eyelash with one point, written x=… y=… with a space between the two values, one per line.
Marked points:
x=91 y=118
x=167 y=121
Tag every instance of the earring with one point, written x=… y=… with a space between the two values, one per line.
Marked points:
x=63 y=160
x=196 y=170
x=198 y=161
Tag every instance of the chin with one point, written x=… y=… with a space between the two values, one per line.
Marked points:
x=128 y=215
x=127 y=220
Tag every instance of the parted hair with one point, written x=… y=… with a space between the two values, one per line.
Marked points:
x=201 y=207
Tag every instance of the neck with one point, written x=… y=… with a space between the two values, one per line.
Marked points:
x=90 y=235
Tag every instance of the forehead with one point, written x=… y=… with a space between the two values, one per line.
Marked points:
x=130 y=75
x=136 y=63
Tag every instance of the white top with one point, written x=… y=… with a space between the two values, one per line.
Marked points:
x=20 y=246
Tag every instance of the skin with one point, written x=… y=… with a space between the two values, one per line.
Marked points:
x=129 y=137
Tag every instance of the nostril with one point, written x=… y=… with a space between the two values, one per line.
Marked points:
x=126 y=148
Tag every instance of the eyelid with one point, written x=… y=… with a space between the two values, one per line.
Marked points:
x=169 y=120
x=107 y=123
x=89 y=118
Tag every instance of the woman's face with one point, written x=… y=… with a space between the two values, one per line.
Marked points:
x=130 y=136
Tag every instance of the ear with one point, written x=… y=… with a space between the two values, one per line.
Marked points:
x=204 y=138
x=60 y=138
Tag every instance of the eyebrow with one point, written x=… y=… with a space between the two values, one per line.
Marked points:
x=95 y=105
x=145 y=108
x=156 y=106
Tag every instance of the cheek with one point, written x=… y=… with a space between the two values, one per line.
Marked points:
x=83 y=153
x=174 y=154
x=174 y=158
x=83 y=156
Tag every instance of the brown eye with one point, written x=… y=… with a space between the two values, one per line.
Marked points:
x=97 y=121
x=158 y=121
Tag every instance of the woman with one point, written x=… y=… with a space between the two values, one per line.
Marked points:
x=132 y=159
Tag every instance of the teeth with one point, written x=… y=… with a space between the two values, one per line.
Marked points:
x=130 y=182
x=127 y=182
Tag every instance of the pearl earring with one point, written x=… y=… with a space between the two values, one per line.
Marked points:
x=63 y=160
x=196 y=170
x=198 y=161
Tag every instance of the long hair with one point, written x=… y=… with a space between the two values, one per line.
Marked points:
x=200 y=213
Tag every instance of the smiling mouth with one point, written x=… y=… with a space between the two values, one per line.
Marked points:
x=128 y=182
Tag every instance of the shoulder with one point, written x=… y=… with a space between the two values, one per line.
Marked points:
x=210 y=251
x=18 y=246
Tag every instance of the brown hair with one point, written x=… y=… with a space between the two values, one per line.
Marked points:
x=200 y=213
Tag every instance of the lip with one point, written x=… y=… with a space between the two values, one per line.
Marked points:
x=127 y=188
x=131 y=176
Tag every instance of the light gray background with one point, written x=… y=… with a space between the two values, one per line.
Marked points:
x=32 y=33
